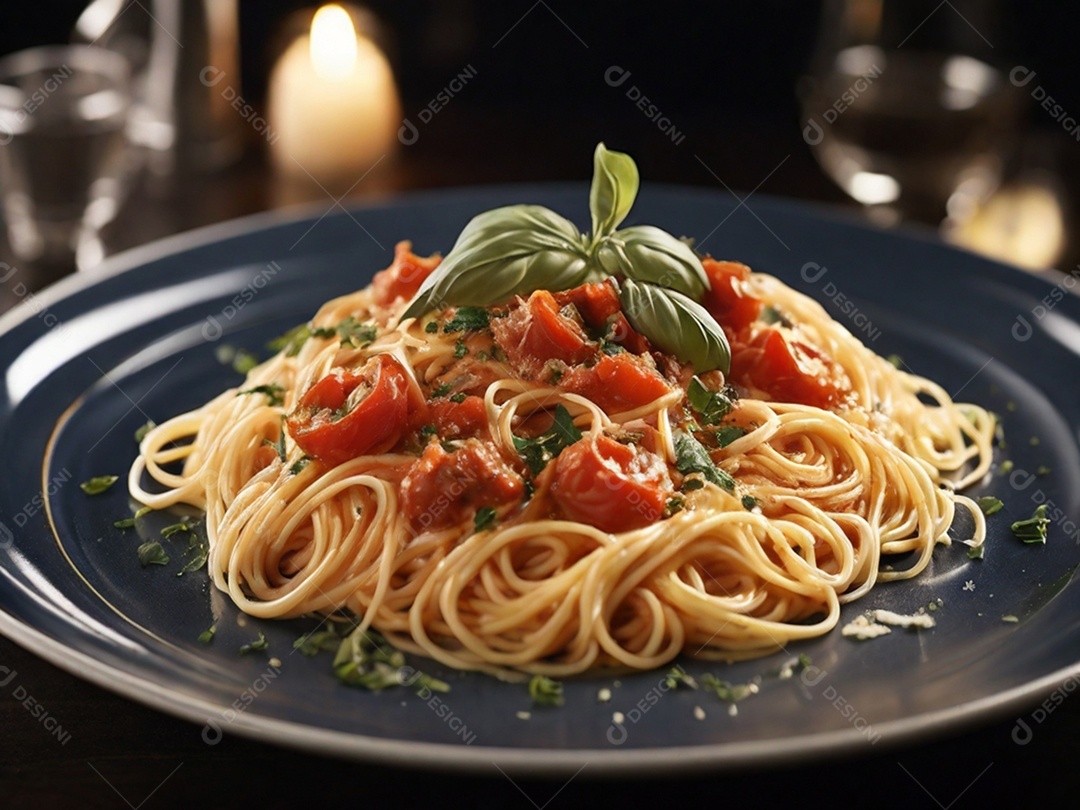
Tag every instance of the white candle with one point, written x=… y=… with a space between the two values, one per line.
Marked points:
x=332 y=103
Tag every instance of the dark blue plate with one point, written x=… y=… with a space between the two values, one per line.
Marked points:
x=89 y=361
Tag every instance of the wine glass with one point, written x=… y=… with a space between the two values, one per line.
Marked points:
x=905 y=107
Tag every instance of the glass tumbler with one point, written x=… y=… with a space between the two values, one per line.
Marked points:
x=64 y=161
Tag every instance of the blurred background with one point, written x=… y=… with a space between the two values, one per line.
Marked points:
x=955 y=118
x=963 y=117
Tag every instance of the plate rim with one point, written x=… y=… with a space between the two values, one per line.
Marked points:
x=538 y=762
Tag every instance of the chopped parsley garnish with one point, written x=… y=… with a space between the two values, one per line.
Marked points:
x=313 y=643
x=770 y=314
x=257 y=645
x=483 y=518
x=176 y=528
x=241 y=360
x=895 y=360
x=274 y=393
x=428 y=431
x=546 y=691
x=976 y=552
x=692 y=483
x=749 y=502
x=691 y=457
x=467 y=319
x=98 y=484
x=989 y=504
x=458 y=398
x=678 y=677
x=279 y=445
x=367 y=660
x=726 y=434
x=198 y=551
x=441 y=391
x=207 y=635
x=431 y=327
x=292 y=341
x=152 y=553
x=539 y=451
x=673 y=505
x=711 y=405
x=460 y=349
x=140 y=434
x=127 y=523
x=1005 y=467
x=297 y=466
x=727 y=691
x=354 y=333
x=1033 y=530
x=1042 y=470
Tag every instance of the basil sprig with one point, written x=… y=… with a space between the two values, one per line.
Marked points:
x=517 y=249
x=676 y=324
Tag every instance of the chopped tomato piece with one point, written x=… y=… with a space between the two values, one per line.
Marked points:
x=457 y=420
x=445 y=489
x=788 y=370
x=403 y=277
x=601 y=310
x=617 y=383
x=729 y=299
x=348 y=414
x=614 y=487
x=538 y=331
x=596 y=302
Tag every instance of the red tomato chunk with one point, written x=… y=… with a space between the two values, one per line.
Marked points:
x=444 y=489
x=614 y=487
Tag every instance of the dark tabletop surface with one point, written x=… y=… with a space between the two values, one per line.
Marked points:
x=119 y=753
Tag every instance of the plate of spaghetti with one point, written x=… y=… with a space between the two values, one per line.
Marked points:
x=456 y=480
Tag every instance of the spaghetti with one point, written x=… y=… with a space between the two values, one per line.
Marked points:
x=534 y=486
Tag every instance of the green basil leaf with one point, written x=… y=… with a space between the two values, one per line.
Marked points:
x=646 y=253
x=676 y=325
x=691 y=457
x=505 y=252
x=614 y=187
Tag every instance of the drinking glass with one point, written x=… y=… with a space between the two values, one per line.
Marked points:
x=63 y=152
x=905 y=108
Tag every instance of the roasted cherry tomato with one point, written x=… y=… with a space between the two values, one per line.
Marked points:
x=614 y=487
x=402 y=278
x=539 y=331
x=617 y=383
x=348 y=414
x=457 y=420
x=445 y=489
x=788 y=370
x=729 y=299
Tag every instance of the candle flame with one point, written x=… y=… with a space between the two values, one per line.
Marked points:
x=333 y=42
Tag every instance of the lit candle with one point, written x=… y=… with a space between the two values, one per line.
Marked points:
x=333 y=106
